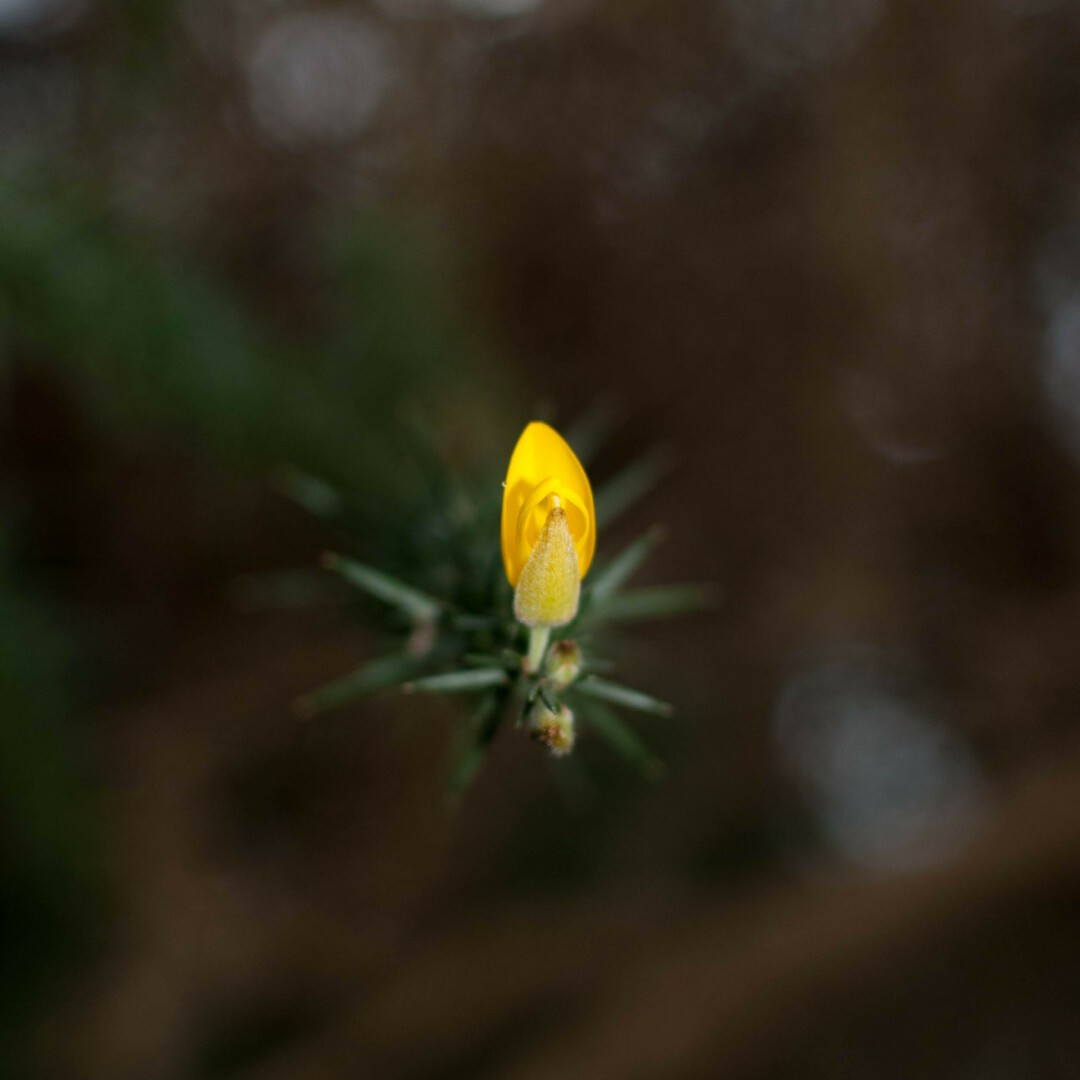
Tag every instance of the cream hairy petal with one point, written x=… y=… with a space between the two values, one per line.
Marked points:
x=550 y=584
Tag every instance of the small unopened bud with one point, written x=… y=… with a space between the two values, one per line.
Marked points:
x=555 y=729
x=563 y=664
x=548 y=590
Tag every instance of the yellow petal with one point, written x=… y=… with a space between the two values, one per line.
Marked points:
x=548 y=589
x=544 y=469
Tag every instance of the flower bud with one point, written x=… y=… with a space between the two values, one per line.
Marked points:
x=563 y=664
x=544 y=472
x=555 y=729
x=547 y=591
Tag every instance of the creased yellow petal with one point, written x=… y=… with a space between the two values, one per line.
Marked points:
x=550 y=584
x=543 y=472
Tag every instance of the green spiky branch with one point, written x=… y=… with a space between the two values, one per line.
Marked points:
x=452 y=617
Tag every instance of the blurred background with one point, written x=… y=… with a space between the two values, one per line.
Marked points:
x=826 y=250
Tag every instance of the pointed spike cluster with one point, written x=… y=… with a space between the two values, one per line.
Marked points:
x=469 y=639
x=617 y=694
x=380 y=674
x=303 y=587
x=629 y=487
x=310 y=492
x=479 y=733
x=613 y=576
x=417 y=605
x=658 y=602
x=457 y=682
x=623 y=739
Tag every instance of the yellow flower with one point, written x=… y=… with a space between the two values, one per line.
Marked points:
x=548 y=527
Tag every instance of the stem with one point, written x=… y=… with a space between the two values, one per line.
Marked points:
x=538 y=643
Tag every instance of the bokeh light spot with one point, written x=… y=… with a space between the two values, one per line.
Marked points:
x=39 y=16
x=891 y=786
x=319 y=76
x=786 y=35
x=495 y=9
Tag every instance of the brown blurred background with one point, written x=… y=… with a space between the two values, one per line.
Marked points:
x=828 y=250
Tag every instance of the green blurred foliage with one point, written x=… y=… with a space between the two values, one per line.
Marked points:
x=144 y=339
x=140 y=336
x=51 y=892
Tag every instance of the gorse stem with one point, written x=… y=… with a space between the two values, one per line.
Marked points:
x=538 y=643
